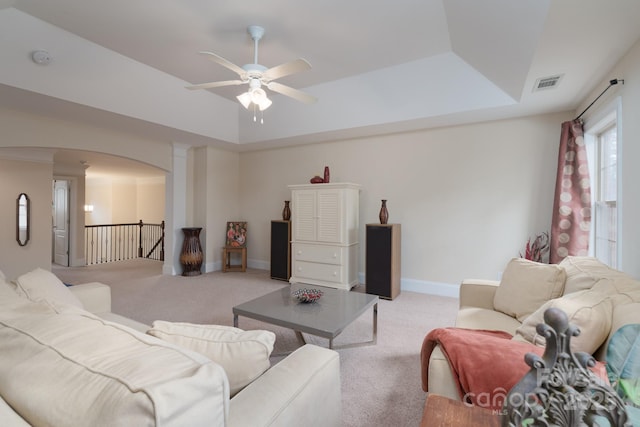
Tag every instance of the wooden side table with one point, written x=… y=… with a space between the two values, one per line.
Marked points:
x=440 y=411
x=226 y=258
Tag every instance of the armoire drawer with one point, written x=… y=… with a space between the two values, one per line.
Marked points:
x=324 y=272
x=319 y=253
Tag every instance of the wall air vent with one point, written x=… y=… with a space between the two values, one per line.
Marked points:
x=545 y=83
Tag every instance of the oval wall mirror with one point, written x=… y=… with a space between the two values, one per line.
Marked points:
x=22 y=219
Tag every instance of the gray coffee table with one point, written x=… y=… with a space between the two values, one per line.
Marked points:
x=326 y=318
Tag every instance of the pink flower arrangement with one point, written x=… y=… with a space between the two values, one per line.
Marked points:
x=536 y=250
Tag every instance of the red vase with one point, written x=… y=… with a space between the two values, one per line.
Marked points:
x=326 y=174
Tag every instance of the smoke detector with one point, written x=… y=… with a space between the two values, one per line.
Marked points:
x=41 y=57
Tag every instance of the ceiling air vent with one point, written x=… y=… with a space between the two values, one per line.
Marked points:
x=547 y=83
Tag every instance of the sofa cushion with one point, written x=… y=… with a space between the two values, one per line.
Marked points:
x=623 y=314
x=64 y=366
x=7 y=291
x=526 y=285
x=42 y=284
x=244 y=355
x=626 y=289
x=590 y=310
x=301 y=390
x=482 y=318
x=9 y=417
x=94 y=296
x=583 y=272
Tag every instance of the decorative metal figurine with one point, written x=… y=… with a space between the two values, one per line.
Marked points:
x=560 y=389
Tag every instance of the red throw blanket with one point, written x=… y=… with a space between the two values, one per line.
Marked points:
x=486 y=364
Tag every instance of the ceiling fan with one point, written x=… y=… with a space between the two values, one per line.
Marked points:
x=258 y=76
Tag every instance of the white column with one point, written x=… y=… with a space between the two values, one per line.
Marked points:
x=176 y=209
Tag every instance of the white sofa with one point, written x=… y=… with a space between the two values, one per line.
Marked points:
x=597 y=299
x=67 y=360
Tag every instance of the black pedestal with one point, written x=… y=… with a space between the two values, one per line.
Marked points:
x=281 y=250
x=382 y=274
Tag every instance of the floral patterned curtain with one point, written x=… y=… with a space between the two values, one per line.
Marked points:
x=571 y=220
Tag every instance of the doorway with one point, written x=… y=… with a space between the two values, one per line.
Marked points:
x=61 y=222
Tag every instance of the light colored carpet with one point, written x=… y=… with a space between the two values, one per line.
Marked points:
x=380 y=383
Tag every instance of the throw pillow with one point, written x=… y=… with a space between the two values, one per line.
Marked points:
x=590 y=310
x=41 y=284
x=583 y=272
x=244 y=355
x=526 y=285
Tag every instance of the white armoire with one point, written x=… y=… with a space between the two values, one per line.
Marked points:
x=324 y=241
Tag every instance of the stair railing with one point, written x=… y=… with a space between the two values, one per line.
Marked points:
x=119 y=242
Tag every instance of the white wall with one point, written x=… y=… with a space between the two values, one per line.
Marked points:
x=21 y=129
x=150 y=198
x=468 y=197
x=124 y=206
x=99 y=194
x=120 y=200
x=33 y=179
x=215 y=199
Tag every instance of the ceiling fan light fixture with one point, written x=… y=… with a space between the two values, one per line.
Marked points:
x=256 y=96
x=245 y=99
x=264 y=104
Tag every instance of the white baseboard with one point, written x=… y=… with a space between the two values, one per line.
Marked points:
x=212 y=266
x=168 y=269
x=432 y=288
x=426 y=287
x=251 y=263
x=409 y=285
x=259 y=265
x=78 y=262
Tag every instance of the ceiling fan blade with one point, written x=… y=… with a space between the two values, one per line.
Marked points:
x=225 y=63
x=215 y=84
x=291 y=92
x=286 y=69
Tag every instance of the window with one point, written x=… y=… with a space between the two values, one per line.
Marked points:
x=606 y=211
x=602 y=145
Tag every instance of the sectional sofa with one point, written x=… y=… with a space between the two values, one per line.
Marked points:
x=67 y=360
x=596 y=298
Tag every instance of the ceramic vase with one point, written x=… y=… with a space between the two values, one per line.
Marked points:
x=384 y=213
x=286 y=212
x=326 y=174
x=191 y=255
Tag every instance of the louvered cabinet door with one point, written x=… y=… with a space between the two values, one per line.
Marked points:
x=303 y=215
x=330 y=214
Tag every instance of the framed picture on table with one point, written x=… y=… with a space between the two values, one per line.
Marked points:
x=236 y=234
